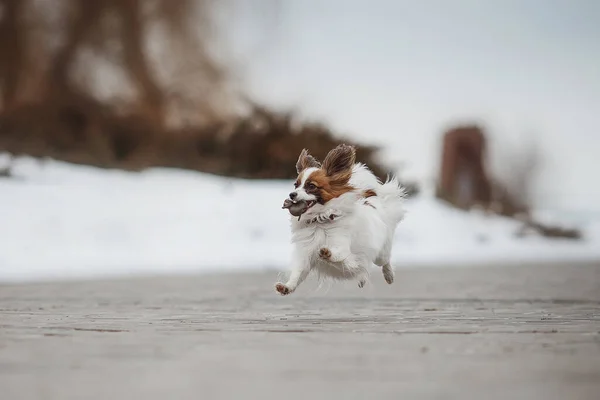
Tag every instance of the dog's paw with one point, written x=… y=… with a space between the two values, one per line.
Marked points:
x=388 y=274
x=361 y=283
x=282 y=289
x=389 y=278
x=325 y=253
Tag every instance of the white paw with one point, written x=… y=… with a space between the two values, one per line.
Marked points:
x=333 y=254
x=325 y=253
x=283 y=289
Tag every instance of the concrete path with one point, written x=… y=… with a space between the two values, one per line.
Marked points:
x=461 y=333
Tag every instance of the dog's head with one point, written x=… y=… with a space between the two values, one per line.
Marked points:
x=319 y=183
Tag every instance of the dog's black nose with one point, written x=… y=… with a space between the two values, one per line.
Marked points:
x=293 y=195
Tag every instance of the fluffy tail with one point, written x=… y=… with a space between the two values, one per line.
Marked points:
x=392 y=195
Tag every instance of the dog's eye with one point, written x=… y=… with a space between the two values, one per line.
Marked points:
x=311 y=186
x=296 y=184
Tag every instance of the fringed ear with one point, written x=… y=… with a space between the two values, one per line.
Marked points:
x=340 y=161
x=306 y=161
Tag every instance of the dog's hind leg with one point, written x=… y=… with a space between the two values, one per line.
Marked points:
x=385 y=254
x=386 y=268
x=388 y=273
x=383 y=260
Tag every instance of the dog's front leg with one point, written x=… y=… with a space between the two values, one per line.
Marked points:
x=300 y=271
x=337 y=251
x=337 y=248
x=351 y=265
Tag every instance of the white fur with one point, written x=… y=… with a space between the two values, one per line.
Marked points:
x=356 y=234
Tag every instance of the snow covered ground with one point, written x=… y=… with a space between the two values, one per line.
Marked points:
x=62 y=221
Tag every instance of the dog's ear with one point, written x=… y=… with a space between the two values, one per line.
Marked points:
x=340 y=160
x=306 y=161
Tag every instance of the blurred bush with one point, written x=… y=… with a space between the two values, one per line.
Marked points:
x=177 y=107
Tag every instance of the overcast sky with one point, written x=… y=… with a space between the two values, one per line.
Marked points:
x=398 y=72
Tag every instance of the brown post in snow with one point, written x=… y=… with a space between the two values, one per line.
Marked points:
x=462 y=179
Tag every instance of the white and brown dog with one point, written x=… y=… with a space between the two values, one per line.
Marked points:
x=343 y=219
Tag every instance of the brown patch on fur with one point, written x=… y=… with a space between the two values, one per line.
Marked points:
x=305 y=161
x=369 y=193
x=298 y=179
x=326 y=187
x=331 y=179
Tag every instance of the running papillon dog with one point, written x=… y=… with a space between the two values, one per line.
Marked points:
x=343 y=219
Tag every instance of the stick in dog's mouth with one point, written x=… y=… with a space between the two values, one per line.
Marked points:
x=297 y=208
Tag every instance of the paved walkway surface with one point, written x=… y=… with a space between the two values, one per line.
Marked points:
x=460 y=333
